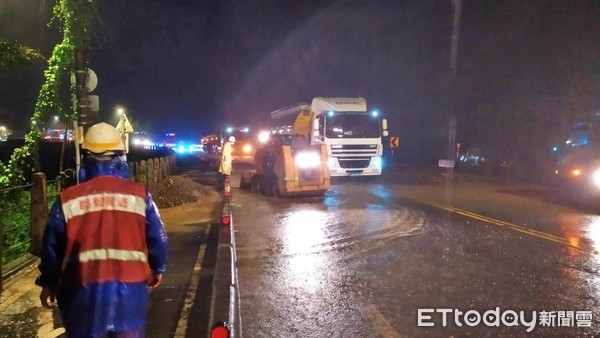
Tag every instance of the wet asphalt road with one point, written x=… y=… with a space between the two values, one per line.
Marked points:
x=364 y=259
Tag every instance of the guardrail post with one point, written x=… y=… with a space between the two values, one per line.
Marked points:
x=39 y=213
x=150 y=175
x=143 y=173
x=155 y=174
x=163 y=168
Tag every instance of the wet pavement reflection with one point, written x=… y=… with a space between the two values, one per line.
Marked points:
x=364 y=259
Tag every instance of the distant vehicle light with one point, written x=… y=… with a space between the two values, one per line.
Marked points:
x=308 y=160
x=375 y=113
x=195 y=148
x=263 y=137
x=247 y=148
x=245 y=130
x=596 y=178
x=576 y=172
x=229 y=130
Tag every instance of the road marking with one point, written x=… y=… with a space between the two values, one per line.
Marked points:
x=380 y=324
x=192 y=289
x=515 y=227
x=47 y=331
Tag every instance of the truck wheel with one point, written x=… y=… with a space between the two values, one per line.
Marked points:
x=244 y=184
x=275 y=186
x=254 y=185
x=269 y=184
x=262 y=185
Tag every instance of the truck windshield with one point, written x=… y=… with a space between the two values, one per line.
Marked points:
x=579 y=135
x=352 y=125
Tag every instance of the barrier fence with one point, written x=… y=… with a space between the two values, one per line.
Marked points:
x=24 y=211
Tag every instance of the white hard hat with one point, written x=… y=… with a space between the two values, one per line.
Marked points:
x=231 y=138
x=102 y=138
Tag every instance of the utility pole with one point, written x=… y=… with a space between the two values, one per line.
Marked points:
x=451 y=90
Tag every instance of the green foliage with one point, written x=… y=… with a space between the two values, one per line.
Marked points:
x=12 y=53
x=74 y=18
x=16 y=220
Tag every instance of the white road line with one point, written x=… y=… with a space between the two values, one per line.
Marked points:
x=191 y=292
x=380 y=324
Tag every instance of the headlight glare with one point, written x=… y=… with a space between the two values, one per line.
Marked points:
x=596 y=178
x=307 y=160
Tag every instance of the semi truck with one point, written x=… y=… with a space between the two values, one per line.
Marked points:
x=245 y=144
x=352 y=134
x=577 y=169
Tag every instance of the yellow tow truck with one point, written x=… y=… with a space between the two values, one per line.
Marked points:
x=288 y=164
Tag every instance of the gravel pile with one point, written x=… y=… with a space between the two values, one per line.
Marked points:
x=176 y=190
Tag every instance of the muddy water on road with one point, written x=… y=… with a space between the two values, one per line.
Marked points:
x=298 y=261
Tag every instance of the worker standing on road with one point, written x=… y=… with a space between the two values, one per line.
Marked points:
x=226 y=159
x=104 y=245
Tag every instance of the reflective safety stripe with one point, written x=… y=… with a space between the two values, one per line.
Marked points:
x=104 y=201
x=115 y=254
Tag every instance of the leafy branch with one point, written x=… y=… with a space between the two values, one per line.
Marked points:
x=74 y=18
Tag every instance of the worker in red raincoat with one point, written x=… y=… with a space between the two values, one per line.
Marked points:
x=104 y=245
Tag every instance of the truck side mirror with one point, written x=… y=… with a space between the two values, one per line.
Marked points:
x=384 y=127
x=316 y=135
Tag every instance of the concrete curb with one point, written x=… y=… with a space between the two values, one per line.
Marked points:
x=225 y=300
x=11 y=269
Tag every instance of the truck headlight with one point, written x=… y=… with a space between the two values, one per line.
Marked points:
x=247 y=148
x=376 y=162
x=307 y=160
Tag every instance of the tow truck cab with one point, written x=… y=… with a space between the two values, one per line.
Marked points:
x=578 y=162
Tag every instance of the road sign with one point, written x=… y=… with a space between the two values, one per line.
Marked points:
x=124 y=124
x=394 y=141
x=446 y=164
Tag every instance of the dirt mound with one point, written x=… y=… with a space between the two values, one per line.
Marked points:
x=176 y=190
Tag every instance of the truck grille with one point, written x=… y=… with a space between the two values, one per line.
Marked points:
x=354 y=162
x=353 y=149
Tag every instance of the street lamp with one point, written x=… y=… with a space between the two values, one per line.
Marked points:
x=55 y=118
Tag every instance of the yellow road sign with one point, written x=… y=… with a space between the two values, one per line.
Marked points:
x=394 y=141
x=124 y=125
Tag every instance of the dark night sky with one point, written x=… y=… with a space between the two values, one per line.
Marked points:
x=186 y=65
